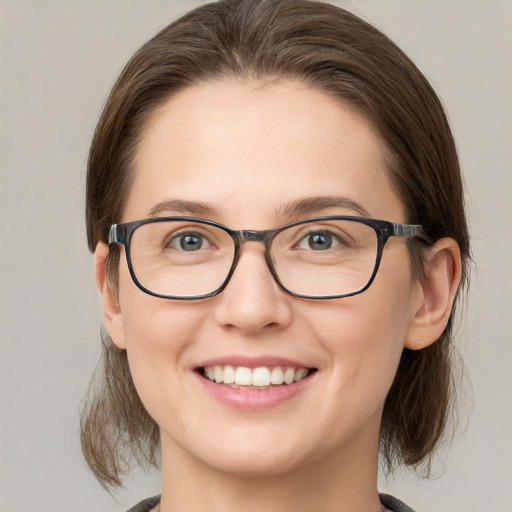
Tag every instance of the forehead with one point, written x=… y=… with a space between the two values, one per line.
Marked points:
x=249 y=149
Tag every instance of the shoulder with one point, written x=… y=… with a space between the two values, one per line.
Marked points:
x=394 y=504
x=146 y=505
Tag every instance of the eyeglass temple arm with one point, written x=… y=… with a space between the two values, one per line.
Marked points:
x=407 y=230
x=112 y=235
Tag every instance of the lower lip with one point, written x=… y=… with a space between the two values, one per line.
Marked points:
x=252 y=398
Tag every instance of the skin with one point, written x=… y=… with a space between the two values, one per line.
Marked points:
x=247 y=151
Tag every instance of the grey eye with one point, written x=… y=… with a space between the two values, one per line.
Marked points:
x=189 y=242
x=318 y=241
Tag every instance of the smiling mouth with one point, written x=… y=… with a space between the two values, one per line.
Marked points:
x=260 y=378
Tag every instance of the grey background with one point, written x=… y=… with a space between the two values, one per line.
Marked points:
x=58 y=60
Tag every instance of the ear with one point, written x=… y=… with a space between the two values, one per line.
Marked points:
x=112 y=314
x=436 y=293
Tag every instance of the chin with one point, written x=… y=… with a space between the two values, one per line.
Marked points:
x=258 y=456
x=261 y=466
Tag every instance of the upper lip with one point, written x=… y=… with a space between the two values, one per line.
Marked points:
x=253 y=362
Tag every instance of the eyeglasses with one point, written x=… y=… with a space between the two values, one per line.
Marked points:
x=188 y=258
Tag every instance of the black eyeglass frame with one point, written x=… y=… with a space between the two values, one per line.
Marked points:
x=122 y=234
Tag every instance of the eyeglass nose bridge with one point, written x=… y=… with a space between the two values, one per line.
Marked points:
x=252 y=236
x=248 y=235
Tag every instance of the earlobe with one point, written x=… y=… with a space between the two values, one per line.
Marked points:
x=442 y=273
x=112 y=314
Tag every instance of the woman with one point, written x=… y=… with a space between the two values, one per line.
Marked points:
x=265 y=326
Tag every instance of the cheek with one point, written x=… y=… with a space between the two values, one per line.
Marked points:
x=157 y=333
x=361 y=339
x=364 y=335
x=153 y=325
x=157 y=341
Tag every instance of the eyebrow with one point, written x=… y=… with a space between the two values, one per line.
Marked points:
x=309 y=205
x=183 y=207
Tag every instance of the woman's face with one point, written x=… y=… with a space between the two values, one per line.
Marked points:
x=257 y=157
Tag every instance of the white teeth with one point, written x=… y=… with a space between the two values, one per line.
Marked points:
x=218 y=374
x=276 y=377
x=289 y=375
x=229 y=374
x=261 y=377
x=300 y=374
x=243 y=376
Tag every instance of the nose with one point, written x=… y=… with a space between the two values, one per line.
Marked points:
x=252 y=300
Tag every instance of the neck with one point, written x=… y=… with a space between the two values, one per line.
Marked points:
x=337 y=484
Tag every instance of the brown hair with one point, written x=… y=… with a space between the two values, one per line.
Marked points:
x=335 y=51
